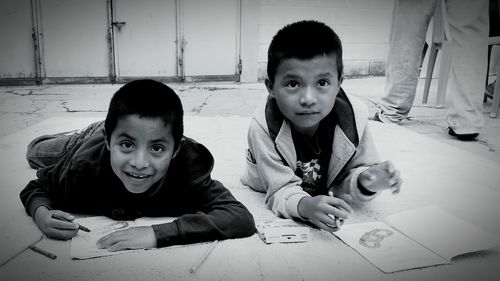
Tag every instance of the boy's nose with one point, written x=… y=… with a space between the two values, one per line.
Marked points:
x=308 y=97
x=140 y=160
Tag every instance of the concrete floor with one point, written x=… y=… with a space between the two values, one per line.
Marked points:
x=23 y=106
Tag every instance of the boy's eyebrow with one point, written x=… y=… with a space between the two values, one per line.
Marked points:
x=290 y=75
x=326 y=74
x=295 y=76
x=153 y=141
x=160 y=140
x=126 y=136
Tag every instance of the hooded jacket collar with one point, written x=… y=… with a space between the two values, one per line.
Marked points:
x=342 y=111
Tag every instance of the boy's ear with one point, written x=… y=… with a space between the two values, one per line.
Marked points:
x=106 y=141
x=176 y=151
x=178 y=148
x=269 y=86
x=341 y=79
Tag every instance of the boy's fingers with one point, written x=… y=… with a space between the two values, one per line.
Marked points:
x=396 y=182
x=62 y=234
x=397 y=187
x=122 y=245
x=389 y=167
x=346 y=197
x=396 y=174
x=340 y=204
x=68 y=234
x=327 y=226
x=335 y=211
x=394 y=178
x=63 y=225
x=333 y=221
x=105 y=241
x=65 y=215
x=110 y=239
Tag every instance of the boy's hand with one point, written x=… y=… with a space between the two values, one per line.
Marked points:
x=131 y=238
x=54 y=228
x=380 y=177
x=321 y=210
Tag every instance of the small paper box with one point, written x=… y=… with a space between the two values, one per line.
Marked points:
x=282 y=231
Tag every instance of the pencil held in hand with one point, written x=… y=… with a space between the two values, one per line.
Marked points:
x=338 y=221
x=81 y=227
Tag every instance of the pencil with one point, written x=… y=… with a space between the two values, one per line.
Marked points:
x=203 y=257
x=43 y=252
x=81 y=227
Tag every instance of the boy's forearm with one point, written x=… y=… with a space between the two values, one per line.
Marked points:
x=201 y=227
x=302 y=207
x=364 y=190
x=366 y=155
x=221 y=217
x=350 y=185
x=294 y=206
x=167 y=234
x=39 y=203
x=32 y=197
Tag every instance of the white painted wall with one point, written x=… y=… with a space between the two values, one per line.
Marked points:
x=17 y=57
x=250 y=13
x=362 y=25
x=74 y=36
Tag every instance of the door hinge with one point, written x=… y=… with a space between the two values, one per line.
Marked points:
x=240 y=67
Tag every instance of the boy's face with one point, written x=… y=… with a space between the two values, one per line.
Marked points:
x=141 y=149
x=305 y=90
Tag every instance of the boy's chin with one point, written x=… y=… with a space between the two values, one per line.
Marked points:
x=137 y=186
x=137 y=189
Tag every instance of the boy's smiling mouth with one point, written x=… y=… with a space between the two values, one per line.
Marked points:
x=137 y=176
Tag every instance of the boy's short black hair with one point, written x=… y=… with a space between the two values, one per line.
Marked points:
x=303 y=40
x=146 y=98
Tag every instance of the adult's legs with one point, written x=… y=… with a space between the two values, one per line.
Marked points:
x=47 y=150
x=469 y=29
x=410 y=20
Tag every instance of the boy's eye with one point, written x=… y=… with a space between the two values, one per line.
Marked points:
x=292 y=84
x=157 y=148
x=127 y=145
x=323 y=82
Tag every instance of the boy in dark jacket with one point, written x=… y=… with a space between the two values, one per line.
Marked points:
x=136 y=163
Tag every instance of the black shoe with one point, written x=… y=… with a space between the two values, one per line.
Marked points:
x=464 y=137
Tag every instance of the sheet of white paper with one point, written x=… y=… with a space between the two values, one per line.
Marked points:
x=443 y=233
x=83 y=245
x=387 y=248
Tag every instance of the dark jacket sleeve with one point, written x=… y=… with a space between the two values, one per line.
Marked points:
x=44 y=190
x=215 y=214
x=56 y=185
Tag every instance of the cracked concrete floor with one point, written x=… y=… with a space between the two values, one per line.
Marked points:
x=23 y=106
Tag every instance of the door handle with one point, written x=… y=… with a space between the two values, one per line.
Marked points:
x=119 y=24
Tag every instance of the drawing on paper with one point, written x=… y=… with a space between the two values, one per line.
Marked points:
x=105 y=229
x=374 y=238
x=83 y=245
